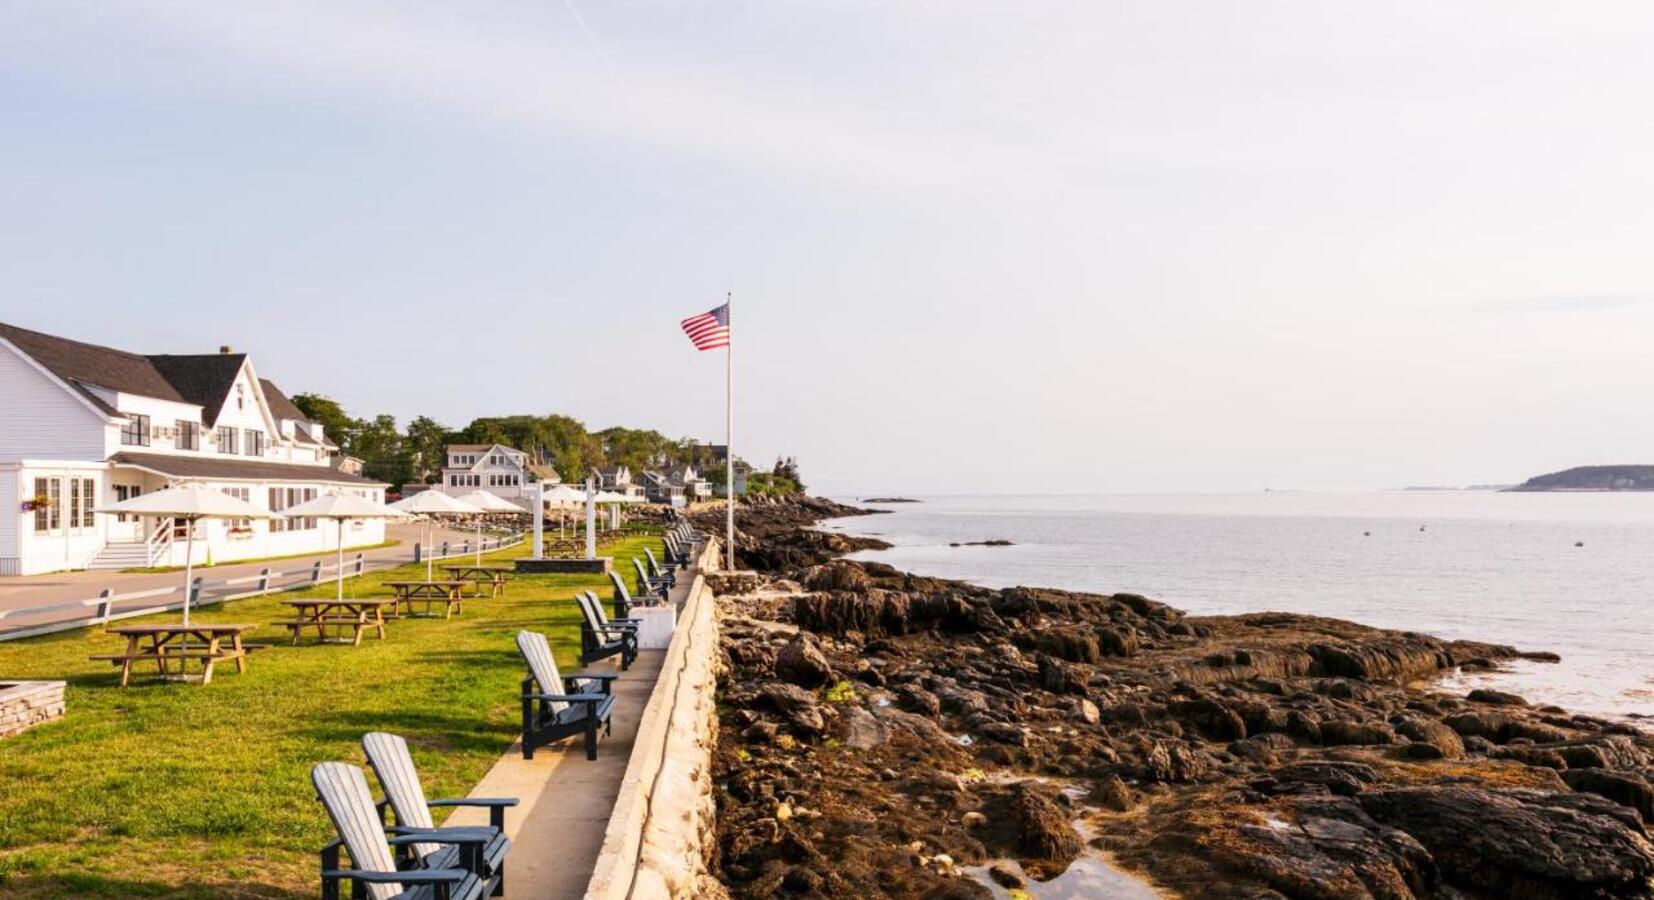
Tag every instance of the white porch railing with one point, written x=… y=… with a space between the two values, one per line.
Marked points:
x=159 y=542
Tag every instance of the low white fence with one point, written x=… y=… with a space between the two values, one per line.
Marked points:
x=102 y=608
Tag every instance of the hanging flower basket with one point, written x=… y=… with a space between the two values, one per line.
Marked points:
x=240 y=533
x=38 y=501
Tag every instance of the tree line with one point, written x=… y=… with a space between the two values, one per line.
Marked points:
x=417 y=453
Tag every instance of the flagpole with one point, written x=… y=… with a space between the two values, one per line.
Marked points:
x=729 y=431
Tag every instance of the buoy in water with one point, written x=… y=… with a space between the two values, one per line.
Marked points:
x=1579 y=543
x=1366 y=534
x=1421 y=527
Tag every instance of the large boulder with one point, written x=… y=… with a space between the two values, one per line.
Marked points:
x=1626 y=787
x=801 y=708
x=1522 y=843
x=1028 y=821
x=802 y=662
x=1444 y=742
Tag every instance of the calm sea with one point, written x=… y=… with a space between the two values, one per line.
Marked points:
x=1570 y=573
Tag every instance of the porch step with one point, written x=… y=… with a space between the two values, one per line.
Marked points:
x=121 y=555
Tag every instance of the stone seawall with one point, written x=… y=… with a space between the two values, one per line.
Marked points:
x=27 y=703
x=663 y=820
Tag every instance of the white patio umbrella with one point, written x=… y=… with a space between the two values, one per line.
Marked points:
x=339 y=507
x=189 y=502
x=430 y=504
x=487 y=503
x=613 y=500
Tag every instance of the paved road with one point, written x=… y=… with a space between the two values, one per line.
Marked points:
x=19 y=592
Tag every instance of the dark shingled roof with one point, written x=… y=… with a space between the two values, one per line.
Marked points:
x=89 y=364
x=232 y=468
x=280 y=406
x=283 y=408
x=203 y=379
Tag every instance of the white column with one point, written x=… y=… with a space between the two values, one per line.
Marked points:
x=539 y=496
x=591 y=519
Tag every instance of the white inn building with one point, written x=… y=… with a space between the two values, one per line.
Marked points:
x=82 y=426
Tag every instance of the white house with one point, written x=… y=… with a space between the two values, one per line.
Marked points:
x=82 y=426
x=495 y=468
x=619 y=480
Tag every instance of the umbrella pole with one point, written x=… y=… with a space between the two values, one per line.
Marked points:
x=189 y=565
x=341 y=530
x=479 y=541
x=430 y=537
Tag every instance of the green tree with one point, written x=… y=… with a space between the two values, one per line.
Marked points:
x=381 y=449
x=425 y=442
x=320 y=408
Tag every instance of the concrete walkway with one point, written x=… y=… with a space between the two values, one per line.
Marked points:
x=565 y=799
x=22 y=591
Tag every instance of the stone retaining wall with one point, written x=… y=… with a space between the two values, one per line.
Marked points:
x=27 y=703
x=656 y=841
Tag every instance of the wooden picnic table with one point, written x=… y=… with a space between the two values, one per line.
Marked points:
x=449 y=593
x=163 y=645
x=357 y=614
x=493 y=576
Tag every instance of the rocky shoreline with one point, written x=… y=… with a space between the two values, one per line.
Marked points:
x=885 y=734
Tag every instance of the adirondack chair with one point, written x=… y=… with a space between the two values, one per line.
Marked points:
x=555 y=707
x=601 y=637
x=343 y=791
x=392 y=764
x=623 y=601
x=646 y=584
x=597 y=609
x=656 y=573
x=676 y=554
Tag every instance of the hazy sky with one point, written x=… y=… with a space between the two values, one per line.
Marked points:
x=973 y=246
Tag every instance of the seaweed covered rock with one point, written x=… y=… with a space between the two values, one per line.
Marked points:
x=1522 y=843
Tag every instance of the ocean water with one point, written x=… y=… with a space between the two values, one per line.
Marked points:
x=1572 y=573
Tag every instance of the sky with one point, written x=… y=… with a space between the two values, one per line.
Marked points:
x=973 y=247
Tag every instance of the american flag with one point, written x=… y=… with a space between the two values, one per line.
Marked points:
x=709 y=330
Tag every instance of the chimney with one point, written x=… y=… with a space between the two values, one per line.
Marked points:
x=225 y=349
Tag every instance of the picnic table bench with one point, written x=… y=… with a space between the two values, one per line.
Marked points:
x=322 y=613
x=451 y=594
x=208 y=644
x=493 y=576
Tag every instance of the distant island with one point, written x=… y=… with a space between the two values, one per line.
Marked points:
x=1593 y=478
x=889 y=500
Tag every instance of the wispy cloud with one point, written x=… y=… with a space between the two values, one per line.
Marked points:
x=1565 y=303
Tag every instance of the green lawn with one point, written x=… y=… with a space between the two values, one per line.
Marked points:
x=185 y=790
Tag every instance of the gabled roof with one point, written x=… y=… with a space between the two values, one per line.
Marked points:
x=203 y=379
x=83 y=365
x=282 y=407
x=469 y=448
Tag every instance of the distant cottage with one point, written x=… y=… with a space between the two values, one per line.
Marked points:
x=497 y=469
x=86 y=426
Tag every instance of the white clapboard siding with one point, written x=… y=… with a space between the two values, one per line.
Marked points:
x=41 y=418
